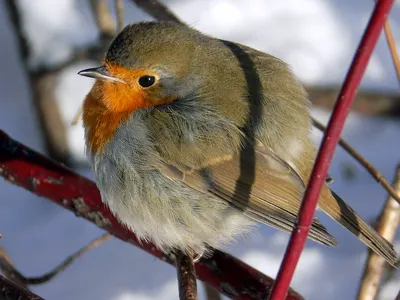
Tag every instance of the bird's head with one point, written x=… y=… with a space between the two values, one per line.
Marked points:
x=148 y=64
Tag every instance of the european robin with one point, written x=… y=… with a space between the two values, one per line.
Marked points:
x=193 y=139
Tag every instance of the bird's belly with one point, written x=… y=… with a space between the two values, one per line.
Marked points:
x=164 y=211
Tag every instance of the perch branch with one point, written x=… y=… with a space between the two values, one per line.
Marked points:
x=47 y=178
x=364 y=162
x=10 y=290
x=387 y=226
x=186 y=276
x=13 y=274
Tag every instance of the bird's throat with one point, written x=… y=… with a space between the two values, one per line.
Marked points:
x=109 y=104
x=100 y=122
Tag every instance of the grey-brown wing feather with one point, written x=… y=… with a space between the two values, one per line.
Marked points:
x=261 y=185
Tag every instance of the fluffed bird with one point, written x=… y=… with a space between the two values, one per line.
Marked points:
x=193 y=140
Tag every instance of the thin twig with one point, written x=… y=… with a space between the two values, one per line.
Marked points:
x=119 y=8
x=13 y=274
x=387 y=226
x=364 y=162
x=157 y=10
x=186 y=276
x=104 y=19
x=392 y=47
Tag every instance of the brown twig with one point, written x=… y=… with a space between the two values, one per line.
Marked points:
x=364 y=162
x=157 y=10
x=119 y=8
x=104 y=19
x=10 y=290
x=392 y=47
x=42 y=88
x=387 y=226
x=186 y=276
x=13 y=274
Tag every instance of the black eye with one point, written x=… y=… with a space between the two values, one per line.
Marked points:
x=146 y=81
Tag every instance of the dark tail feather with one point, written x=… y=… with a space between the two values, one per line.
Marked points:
x=337 y=209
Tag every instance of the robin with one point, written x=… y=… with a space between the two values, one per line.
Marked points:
x=193 y=140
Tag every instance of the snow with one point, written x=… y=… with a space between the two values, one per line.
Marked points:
x=316 y=37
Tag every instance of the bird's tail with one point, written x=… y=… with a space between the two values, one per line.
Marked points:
x=337 y=209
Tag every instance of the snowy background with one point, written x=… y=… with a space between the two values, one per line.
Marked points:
x=316 y=37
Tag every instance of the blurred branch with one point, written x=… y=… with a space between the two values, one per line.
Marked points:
x=42 y=88
x=392 y=47
x=43 y=79
x=103 y=17
x=157 y=10
x=13 y=274
x=186 y=276
x=366 y=102
x=119 y=8
x=10 y=290
x=387 y=226
x=44 y=177
x=364 y=162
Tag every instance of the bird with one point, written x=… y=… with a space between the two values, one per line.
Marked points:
x=194 y=140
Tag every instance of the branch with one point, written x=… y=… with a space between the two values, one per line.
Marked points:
x=364 y=162
x=157 y=10
x=186 y=276
x=105 y=25
x=103 y=17
x=47 y=178
x=328 y=146
x=387 y=226
x=42 y=89
x=368 y=103
x=10 y=290
x=13 y=274
x=390 y=216
x=119 y=8
x=392 y=47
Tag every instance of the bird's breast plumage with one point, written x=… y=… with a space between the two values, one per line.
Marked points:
x=155 y=207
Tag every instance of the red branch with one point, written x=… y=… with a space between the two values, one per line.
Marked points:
x=47 y=178
x=331 y=138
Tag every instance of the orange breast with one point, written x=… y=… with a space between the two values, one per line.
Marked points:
x=100 y=122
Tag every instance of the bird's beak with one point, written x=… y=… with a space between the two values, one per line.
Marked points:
x=101 y=73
